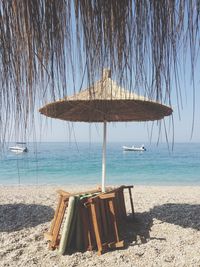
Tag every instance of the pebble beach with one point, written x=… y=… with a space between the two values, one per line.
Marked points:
x=165 y=231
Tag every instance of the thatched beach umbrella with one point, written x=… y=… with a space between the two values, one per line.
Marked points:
x=105 y=101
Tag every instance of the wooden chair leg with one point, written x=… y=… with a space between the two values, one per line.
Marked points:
x=129 y=187
x=96 y=224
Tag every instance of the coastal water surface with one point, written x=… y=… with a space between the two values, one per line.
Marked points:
x=69 y=163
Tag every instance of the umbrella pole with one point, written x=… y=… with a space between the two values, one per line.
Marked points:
x=104 y=158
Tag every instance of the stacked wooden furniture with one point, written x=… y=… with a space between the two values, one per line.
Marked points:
x=101 y=216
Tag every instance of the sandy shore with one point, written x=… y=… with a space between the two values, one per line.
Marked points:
x=166 y=231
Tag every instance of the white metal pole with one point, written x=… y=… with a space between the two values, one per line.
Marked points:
x=104 y=158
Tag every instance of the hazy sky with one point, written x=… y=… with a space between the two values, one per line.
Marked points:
x=58 y=130
x=125 y=132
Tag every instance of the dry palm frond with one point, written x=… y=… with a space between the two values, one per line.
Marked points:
x=43 y=41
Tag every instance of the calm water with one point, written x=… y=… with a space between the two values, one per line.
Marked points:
x=63 y=163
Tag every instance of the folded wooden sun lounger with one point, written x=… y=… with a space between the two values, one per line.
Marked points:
x=92 y=220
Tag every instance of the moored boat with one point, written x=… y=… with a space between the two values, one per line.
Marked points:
x=133 y=148
x=20 y=147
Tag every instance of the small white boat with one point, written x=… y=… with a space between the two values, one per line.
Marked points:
x=133 y=148
x=19 y=148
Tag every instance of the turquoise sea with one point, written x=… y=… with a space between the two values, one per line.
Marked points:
x=70 y=163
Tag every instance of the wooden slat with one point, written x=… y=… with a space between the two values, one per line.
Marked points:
x=106 y=195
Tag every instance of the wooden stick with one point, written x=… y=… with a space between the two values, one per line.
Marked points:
x=131 y=200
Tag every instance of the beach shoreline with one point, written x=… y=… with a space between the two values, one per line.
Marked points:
x=166 y=230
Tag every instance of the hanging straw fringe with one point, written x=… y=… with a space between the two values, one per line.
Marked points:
x=44 y=41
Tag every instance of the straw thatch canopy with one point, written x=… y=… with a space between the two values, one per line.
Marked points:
x=106 y=101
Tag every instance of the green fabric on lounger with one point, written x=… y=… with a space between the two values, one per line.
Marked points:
x=67 y=227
